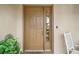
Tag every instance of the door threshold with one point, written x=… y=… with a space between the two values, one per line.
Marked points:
x=37 y=52
x=34 y=51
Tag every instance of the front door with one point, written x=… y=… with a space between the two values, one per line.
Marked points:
x=37 y=28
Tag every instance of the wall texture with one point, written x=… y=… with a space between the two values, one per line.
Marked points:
x=20 y=24
x=11 y=21
x=66 y=17
x=8 y=20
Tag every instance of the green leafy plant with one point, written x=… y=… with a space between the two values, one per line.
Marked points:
x=9 y=45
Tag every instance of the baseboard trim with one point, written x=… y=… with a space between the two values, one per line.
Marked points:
x=47 y=50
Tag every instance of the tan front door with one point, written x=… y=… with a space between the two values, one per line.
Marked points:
x=35 y=28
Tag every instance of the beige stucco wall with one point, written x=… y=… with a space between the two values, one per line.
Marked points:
x=8 y=16
x=11 y=21
x=66 y=17
x=20 y=24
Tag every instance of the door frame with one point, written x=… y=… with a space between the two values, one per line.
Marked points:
x=52 y=25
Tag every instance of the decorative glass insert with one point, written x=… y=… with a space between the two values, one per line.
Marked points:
x=47 y=27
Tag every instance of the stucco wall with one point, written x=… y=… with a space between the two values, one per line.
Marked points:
x=8 y=20
x=11 y=21
x=66 y=17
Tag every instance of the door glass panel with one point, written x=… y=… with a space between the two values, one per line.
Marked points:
x=47 y=27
